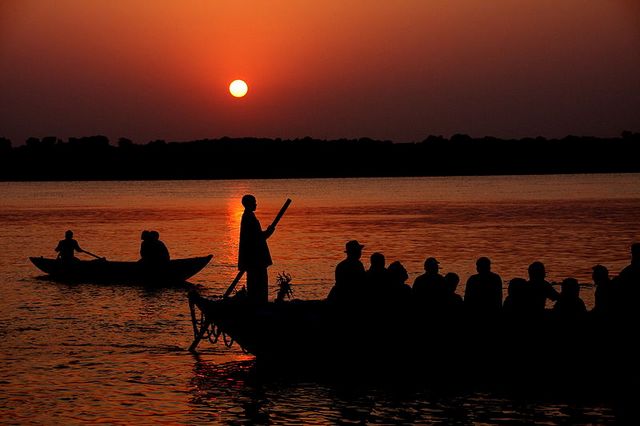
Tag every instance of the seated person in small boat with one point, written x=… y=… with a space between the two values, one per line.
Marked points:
x=160 y=249
x=569 y=305
x=429 y=289
x=67 y=247
x=145 y=246
x=350 y=275
x=483 y=293
x=152 y=249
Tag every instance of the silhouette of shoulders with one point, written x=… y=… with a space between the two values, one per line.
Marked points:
x=483 y=292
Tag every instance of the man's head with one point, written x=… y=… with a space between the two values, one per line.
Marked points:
x=570 y=288
x=249 y=202
x=377 y=261
x=483 y=265
x=451 y=281
x=353 y=249
x=398 y=271
x=600 y=274
x=431 y=265
x=537 y=271
x=68 y=235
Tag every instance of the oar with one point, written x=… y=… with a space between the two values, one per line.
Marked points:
x=284 y=208
x=94 y=255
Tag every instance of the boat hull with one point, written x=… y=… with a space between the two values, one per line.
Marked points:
x=405 y=342
x=177 y=270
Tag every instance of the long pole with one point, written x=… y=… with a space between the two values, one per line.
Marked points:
x=284 y=208
x=233 y=284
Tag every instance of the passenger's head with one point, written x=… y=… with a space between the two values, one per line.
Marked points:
x=249 y=202
x=451 y=280
x=431 y=265
x=483 y=265
x=398 y=272
x=536 y=271
x=353 y=249
x=68 y=234
x=377 y=261
x=600 y=274
x=154 y=235
x=145 y=235
x=570 y=288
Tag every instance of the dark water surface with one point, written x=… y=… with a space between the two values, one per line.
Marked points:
x=87 y=353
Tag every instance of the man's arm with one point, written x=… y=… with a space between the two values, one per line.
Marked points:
x=77 y=247
x=269 y=231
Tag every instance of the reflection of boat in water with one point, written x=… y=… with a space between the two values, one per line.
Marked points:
x=175 y=271
x=547 y=353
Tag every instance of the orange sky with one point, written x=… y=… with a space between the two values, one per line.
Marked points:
x=398 y=70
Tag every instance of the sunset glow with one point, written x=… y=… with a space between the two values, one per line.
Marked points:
x=330 y=69
x=238 y=88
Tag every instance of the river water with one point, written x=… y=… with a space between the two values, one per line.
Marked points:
x=88 y=353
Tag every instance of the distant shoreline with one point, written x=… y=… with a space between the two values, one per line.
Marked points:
x=95 y=158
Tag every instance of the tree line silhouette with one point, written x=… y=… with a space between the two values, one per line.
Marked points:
x=95 y=157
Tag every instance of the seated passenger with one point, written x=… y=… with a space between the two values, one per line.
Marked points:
x=350 y=275
x=145 y=247
x=376 y=275
x=516 y=304
x=569 y=305
x=539 y=289
x=160 y=251
x=452 y=306
x=429 y=288
x=605 y=295
x=396 y=289
x=483 y=293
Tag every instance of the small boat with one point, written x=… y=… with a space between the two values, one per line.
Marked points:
x=176 y=271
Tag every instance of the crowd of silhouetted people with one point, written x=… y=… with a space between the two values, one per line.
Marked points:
x=434 y=294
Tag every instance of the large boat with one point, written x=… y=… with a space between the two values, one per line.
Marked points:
x=175 y=271
x=407 y=342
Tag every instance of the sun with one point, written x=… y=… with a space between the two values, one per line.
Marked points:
x=238 y=88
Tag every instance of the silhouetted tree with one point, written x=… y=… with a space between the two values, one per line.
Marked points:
x=5 y=144
x=93 y=157
x=125 y=143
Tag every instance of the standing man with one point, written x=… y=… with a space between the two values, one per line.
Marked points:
x=254 y=256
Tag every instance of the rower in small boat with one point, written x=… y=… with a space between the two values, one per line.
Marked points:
x=66 y=248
